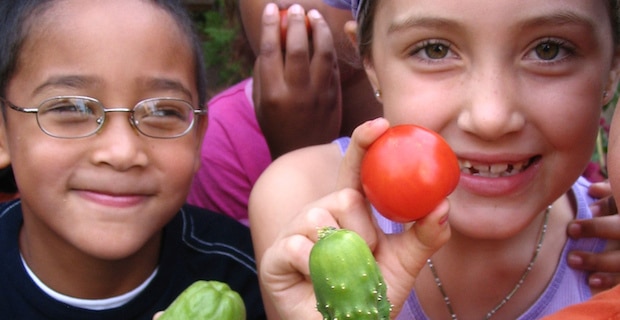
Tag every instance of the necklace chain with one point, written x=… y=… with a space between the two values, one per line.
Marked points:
x=446 y=299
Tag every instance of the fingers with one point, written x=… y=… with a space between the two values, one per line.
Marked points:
x=402 y=256
x=363 y=136
x=297 y=53
x=284 y=275
x=607 y=227
x=603 y=281
x=324 y=63
x=345 y=208
x=601 y=262
x=600 y=189
x=605 y=267
x=606 y=205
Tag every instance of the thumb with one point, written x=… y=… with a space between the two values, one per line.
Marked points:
x=409 y=251
x=363 y=136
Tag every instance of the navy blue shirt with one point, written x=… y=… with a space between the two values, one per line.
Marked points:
x=197 y=245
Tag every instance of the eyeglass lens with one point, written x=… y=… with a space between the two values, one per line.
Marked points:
x=74 y=117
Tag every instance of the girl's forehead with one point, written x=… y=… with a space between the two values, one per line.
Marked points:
x=497 y=13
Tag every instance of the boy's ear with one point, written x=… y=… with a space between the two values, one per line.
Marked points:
x=5 y=158
x=203 y=122
x=350 y=28
x=614 y=78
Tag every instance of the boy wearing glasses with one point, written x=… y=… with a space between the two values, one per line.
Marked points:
x=102 y=123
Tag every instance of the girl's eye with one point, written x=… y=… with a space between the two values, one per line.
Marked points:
x=550 y=50
x=437 y=51
x=547 y=51
x=432 y=50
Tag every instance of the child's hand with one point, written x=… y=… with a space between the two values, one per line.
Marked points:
x=605 y=266
x=296 y=84
x=284 y=270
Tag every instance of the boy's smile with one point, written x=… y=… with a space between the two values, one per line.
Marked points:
x=106 y=196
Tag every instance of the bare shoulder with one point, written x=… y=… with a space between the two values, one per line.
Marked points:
x=290 y=183
x=307 y=173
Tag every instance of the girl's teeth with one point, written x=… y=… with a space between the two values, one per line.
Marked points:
x=498 y=168
x=493 y=170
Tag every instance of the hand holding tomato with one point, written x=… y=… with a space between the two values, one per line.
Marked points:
x=408 y=171
x=284 y=26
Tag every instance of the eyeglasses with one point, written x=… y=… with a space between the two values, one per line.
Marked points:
x=72 y=117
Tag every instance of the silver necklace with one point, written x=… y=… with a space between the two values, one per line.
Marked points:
x=513 y=291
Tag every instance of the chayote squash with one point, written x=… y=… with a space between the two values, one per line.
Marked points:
x=206 y=300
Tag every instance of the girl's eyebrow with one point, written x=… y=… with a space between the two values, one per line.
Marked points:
x=553 y=19
x=420 y=21
x=560 y=19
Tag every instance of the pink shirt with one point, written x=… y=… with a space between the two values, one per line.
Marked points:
x=234 y=154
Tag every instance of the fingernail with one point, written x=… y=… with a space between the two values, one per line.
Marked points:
x=574 y=229
x=443 y=219
x=596 y=210
x=595 y=282
x=575 y=260
x=314 y=14
x=296 y=9
x=271 y=9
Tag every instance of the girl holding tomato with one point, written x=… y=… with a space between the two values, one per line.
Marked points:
x=516 y=90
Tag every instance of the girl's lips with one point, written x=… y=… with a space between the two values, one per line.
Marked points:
x=496 y=170
x=498 y=179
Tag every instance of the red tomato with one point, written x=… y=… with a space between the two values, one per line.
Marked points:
x=408 y=171
x=284 y=26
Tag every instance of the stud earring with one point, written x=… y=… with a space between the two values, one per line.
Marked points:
x=378 y=93
x=605 y=94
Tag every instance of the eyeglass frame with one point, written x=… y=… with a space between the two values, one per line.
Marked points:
x=132 y=121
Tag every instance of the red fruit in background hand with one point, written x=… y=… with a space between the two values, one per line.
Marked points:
x=284 y=26
x=408 y=171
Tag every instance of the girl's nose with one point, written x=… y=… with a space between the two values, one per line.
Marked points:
x=491 y=106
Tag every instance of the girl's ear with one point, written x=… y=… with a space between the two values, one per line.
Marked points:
x=350 y=28
x=614 y=78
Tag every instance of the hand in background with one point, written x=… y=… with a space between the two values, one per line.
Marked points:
x=297 y=92
x=605 y=266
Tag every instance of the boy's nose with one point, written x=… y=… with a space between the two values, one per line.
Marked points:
x=119 y=144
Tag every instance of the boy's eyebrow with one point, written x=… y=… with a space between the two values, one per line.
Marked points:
x=167 y=84
x=71 y=81
x=82 y=81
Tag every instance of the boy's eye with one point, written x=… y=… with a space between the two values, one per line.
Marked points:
x=70 y=108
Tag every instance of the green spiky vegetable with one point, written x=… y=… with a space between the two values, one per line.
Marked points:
x=206 y=300
x=346 y=278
